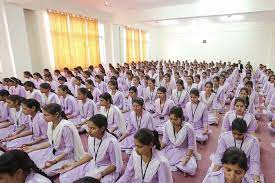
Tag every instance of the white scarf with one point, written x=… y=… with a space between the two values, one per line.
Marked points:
x=181 y=136
x=205 y=100
x=151 y=95
x=120 y=123
x=197 y=114
x=55 y=136
x=233 y=114
x=178 y=99
x=102 y=150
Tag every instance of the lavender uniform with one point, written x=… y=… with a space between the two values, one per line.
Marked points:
x=102 y=86
x=36 y=178
x=157 y=171
x=38 y=82
x=271 y=107
x=54 y=85
x=19 y=90
x=248 y=117
x=177 y=145
x=86 y=111
x=37 y=95
x=170 y=87
x=70 y=107
x=18 y=118
x=249 y=145
x=109 y=153
x=118 y=99
x=189 y=88
x=38 y=126
x=149 y=99
x=180 y=98
x=71 y=87
x=133 y=125
x=254 y=103
x=76 y=88
x=197 y=116
x=218 y=177
x=63 y=139
x=96 y=96
x=212 y=118
x=270 y=128
x=219 y=100
x=161 y=114
x=4 y=112
x=51 y=98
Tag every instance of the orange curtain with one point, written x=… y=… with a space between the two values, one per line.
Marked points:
x=129 y=45
x=93 y=42
x=78 y=42
x=137 y=45
x=60 y=39
x=144 y=45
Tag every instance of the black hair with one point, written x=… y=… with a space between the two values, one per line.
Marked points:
x=13 y=160
x=162 y=89
x=178 y=112
x=133 y=88
x=90 y=82
x=16 y=98
x=234 y=155
x=4 y=92
x=242 y=100
x=66 y=89
x=46 y=86
x=46 y=70
x=106 y=96
x=57 y=71
x=195 y=91
x=139 y=101
x=38 y=75
x=87 y=73
x=48 y=76
x=15 y=80
x=240 y=125
x=79 y=79
x=250 y=83
x=99 y=77
x=114 y=83
x=146 y=137
x=54 y=108
x=86 y=92
x=101 y=121
x=87 y=180
x=62 y=78
x=29 y=84
x=70 y=73
x=27 y=73
x=247 y=97
x=30 y=103
x=152 y=80
x=216 y=78
x=180 y=81
x=189 y=76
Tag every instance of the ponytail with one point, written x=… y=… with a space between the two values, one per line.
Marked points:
x=147 y=137
x=156 y=141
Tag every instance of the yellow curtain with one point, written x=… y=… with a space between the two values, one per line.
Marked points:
x=137 y=45
x=143 y=45
x=93 y=42
x=129 y=45
x=60 y=39
x=78 y=42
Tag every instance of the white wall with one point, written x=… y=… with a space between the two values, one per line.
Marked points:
x=18 y=38
x=227 y=42
x=7 y=67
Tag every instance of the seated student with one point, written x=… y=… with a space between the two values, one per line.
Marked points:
x=179 y=95
x=116 y=122
x=104 y=161
x=94 y=91
x=169 y=84
x=38 y=126
x=17 y=167
x=54 y=84
x=18 y=89
x=239 y=112
x=254 y=105
x=136 y=83
x=146 y=163
x=18 y=121
x=219 y=100
x=100 y=84
x=270 y=110
x=189 y=85
x=238 y=137
x=87 y=107
x=179 y=143
x=69 y=104
x=33 y=92
x=139 y=118
x=77 y=83
x=4 y=110
x=163 y=106
x=87 y=180
x=207 y=97
x=271 y=125
x=117 y=95
x=242 y=94
x=128 y=103
x=197 y=115
x=150 y=95
x=48 y=95
x=64 y=144
x=63 y=81
x=234 y=166
x=37 y=79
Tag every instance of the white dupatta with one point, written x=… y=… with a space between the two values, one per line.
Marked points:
x=205 y=100
x=179 y=138
x=120 y=123
x=233 y=115
x=55 y=136
x=198 y=113
x=102 y=150
x=179 y=99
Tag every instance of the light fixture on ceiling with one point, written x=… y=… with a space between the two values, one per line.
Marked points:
x=168 y=22
x=106 y=3
x=232 y=18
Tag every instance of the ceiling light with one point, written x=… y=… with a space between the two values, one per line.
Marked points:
x=232 y=18
x=168 y=22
